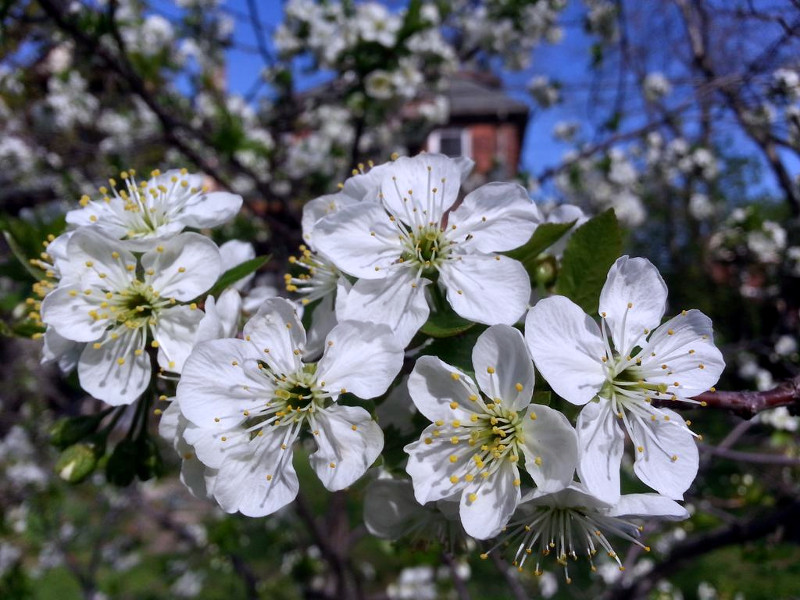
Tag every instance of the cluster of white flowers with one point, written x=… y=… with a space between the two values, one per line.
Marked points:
x=123 y=280
x=624 y=176
x=393 y=252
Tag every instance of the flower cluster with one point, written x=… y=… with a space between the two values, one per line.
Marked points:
x=396 y=257
x=121 y=284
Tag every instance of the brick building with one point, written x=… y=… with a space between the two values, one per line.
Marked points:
x=485 y=124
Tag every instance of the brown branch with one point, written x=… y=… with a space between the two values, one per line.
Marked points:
x=782 y=517
x=759 y=458
x=514 y=586
x=747 y=403
x=458 y=583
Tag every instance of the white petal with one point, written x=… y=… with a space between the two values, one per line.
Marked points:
x=362 y=358
x=685 y=344
x=175 y=333
x=348 y=443
x=277 y=333
x=213 y=387
x=494 y=218
x=648 y=505
x=221 y=318
x=323 y=319
x=91 y=257
x=321 y=207
x=233 y=253
x=101 y=217
x=550 y=438
x=633 y=300
x=495 y=500
x=493 y=289
x=187 y=266
x=58 y=348
x=243 y=485
x=346 y=239
x=420 y=175
x=434 y=388
x=390 y=510
x=430 y=467
x=102 y=376
x=600 y=444
x=210 y=209
x=501 y=348
x=397 y=301
x=654 y=466
x=67 y=310
x=465 y=165
x=567 y=348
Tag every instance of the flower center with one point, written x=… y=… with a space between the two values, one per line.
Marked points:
x=318 y=280
x=136 y=305
x=569 y=532
x=427 y=248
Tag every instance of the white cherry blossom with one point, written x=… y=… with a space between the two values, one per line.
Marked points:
x=146 y=213
x=118 y=303
x=618 y=370
x=409 y=239
x=480 y=433
x=572 y=524
x=248 y=400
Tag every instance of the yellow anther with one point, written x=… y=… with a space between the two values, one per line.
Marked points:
x=518 y=386
x=472 y=497
x=453 y=478
x=120 y=361
x=453 y=458
x=454 y=405
x=455 y=376
x=490 y=370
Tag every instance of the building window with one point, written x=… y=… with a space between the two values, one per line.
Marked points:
x=452 y=141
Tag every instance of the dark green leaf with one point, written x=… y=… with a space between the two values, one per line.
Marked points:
x=543 y=237
x=445 y=323
x=542 y=397
x=236 y=273
x=589 y=254
x=457 y=350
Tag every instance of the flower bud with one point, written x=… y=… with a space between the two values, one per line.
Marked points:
x=77 y=462
x=71 y=430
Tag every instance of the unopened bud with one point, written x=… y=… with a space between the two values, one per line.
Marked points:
x=77 y=462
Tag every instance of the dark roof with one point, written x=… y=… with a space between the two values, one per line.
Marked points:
x=471 y=97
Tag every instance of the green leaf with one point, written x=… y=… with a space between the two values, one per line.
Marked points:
x=589 y=254
x=445 y=323
x=543 y=237
x=236 y=273
x=457 y=350
x=23 y=259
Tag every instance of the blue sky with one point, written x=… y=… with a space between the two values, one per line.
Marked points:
x=568 y=61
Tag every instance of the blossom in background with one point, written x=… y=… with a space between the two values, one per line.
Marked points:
x=117 y=303
x=619 y=369
x=481 y=433
x=572 y=523
x=146 y=213
x=405 y=241
x=247 y=401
